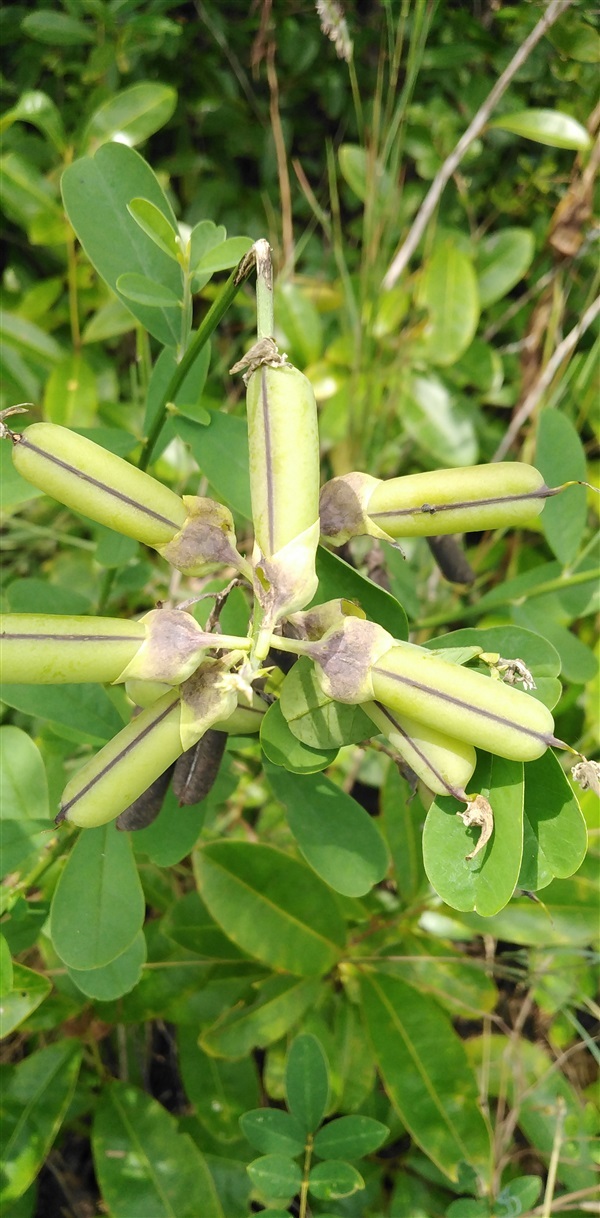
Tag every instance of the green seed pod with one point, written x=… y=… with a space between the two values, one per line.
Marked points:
x=48 y=648
x=145 y=693
x=87 y=478
x=284 y=484
x=431 y=504
x=465 y=704
x=125 y=767
x=112 y=780
x=444 y=764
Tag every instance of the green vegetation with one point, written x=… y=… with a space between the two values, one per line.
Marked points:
x=314 y=931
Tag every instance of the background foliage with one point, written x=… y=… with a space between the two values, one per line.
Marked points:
x=455 y=1035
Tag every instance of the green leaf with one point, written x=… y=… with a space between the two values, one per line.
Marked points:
x=402 y=828
x=85 y=709
x=173 y=834
x=204 y=237
x=96 y=192
x=280 y=1003
x=156 y=226
x=518 y=1196
x=271 y=905
x=36 y=1094
x=146 y=292
x=275 y=1175
x=350 y=1136
x=560 y=457
x=555 y=837
x=514 y=642
x=221 y=450
x=221 y=257
x=38 y=109
x=23 y=785
x=114 y=979
x=333 y=1180
x=337 y=837
x=307 y=1082
x=362 y=173
x=14 y=490
x=130 y=116
x=448 y=290
x=144 y=1165
x=338 y=579
x=425 y=1073
x=28 y=990
x=502 y=259
x=567 y=917
x=442 y=426
x=98 y=905
x=467 y=1208
x=220 y=1090
x=575 y=39
x=486 y=883
x=545 y=127
x=283 y=748
x=273 y=1132
x=70 y=397
x=57 y=29
x=189 y=924
x=33 y=595
x=298 y=326
x=314 y=718
x=6 y=969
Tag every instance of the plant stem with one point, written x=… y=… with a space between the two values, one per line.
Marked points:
x=215 y=313
x=265 y=321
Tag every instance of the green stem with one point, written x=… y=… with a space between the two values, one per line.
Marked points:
x=217 y=310
x=550 y=585
x=305 y=1177
x=264 y=290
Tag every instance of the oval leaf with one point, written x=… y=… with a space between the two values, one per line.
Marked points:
x=156 y=226
x=35 y=1097
x=545 y=127
x=98 y=905
x=307 y=1082
x=144 y=1165
x=502 y=260
x=560 y=457
x=132 y=115
x=555 y=838
x=442 y=426
x=485 y=883
x=333 y=1180
x=426 y=1073
x=275 y=1175
x=146 y=291
x=116 y=978
x=273 y=1131
x=23 y=785
x=336 y=835
x=350 y=1136
x=271 y=905
x=28 y=990
x=223 y=256
x=448 y=291
x=338 y=579
x=280 y=1004
x=314 y=718
x=283 y=748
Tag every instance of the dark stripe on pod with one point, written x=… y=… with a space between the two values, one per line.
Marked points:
x=63 y=812
x=432 y=509
x=450 y=789
x=74 y=638
x=109 y=490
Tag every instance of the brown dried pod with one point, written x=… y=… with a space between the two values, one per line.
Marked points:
x=197 y=769
x=147 y=806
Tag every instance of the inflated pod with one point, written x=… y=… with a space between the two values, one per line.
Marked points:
x=440 y=761
x=361 y=663
x=84 y=476
x=49 y=648
x=284 y=484
x=430 y=504
x=115 y=778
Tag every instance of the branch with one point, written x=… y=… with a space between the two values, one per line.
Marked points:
x=442 y=177
x=546 y=377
